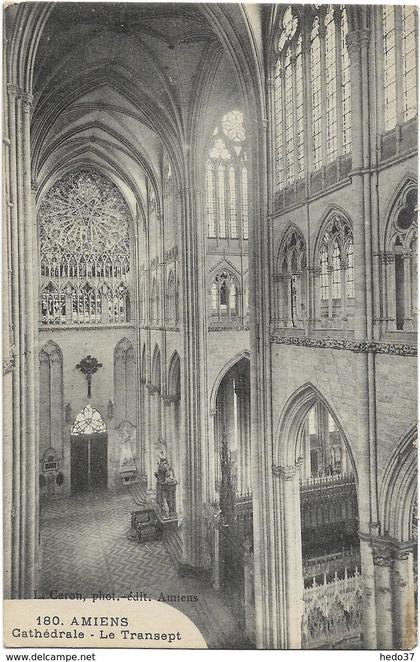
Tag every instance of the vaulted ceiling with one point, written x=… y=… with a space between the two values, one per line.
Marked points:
x=115 y=82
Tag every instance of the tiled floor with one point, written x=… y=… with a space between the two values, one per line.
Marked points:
x=85 y=549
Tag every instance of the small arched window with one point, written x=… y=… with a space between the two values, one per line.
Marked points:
x=227 y=180
x=88 y=421
x=290 y=278
x=400 y=262
x=336 y=273
x=224 y=295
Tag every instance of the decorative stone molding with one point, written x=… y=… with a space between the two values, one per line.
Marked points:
x=219 y=329
x=373 y=346
x=356 y=39
x=382 y=552
x=287 y=473
x=152 y=389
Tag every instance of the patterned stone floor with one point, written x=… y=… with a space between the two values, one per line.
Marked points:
x=85 y=549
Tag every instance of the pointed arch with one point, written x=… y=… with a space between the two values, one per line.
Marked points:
x=51 y=391
x=398 y=491
x=244 y=354
x=174 y=375
x=124 y=382
x=156 y=376
x=290 y=423
x=143 y=370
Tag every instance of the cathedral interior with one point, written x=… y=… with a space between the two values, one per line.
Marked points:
x=209 y=308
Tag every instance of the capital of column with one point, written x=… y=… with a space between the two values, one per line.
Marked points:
x=288 y=472
x=402 y=550
x=12 y=90
x=356 y=39
x=382 y=552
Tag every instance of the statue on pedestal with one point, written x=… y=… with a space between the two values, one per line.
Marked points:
x=165 y=488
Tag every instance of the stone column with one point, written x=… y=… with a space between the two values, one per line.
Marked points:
x=382 y=558
x=289 y=554
x=24 y=284
x=194 y=383
x=369 y=600
x=405 y=629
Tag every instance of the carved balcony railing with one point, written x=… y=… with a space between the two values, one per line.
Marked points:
x=330 y=565
x=332 y=611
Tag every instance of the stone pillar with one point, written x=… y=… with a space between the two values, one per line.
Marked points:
x=369 y=599
x=289 y=552
x=194 y=383
x=24 y=283
x=382 y=558
x=405 y=629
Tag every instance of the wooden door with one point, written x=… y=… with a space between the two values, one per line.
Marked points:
x=79 y=464
x=98 y=461
x=89 y=462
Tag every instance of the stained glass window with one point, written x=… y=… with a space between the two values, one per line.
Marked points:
x=85 y=256
x=244 y=200
x=226 y=180
x=336 y=271
x=316 y=96
x=88 y=421
x=291 y=264
x=336 y=263
x=328 y=101
x=233 y=213
x=409 y=61
x=331 y=81
x=390 y=88
x=211 y=191
x=345 y=86
x=224 y=295
x=323 y=263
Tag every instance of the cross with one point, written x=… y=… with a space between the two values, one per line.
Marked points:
x=88 y=366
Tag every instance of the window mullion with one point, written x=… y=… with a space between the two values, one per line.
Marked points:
x=323 y=92
x=295 y=126
x=307 y=103
x=399 y=65
x=283 y=120
x=339 y=104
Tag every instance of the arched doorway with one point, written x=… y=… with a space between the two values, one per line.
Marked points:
x=89 y=451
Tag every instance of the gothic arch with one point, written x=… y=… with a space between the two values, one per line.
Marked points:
x=398 y=490
x=396 y=203
x=156 y=376
x=174 y=375
x=143 y=370
x=53 y=351
x=292 y=418
x=326 y=219
x=213 y=395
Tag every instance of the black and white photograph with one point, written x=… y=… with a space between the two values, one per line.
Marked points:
x=210 y=326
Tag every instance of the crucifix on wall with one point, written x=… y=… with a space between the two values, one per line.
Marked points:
x=88 y=366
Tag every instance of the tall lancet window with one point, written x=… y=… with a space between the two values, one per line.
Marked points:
x=227 y=180
x=399 y=30
x=325 y=75
x=85 y=251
